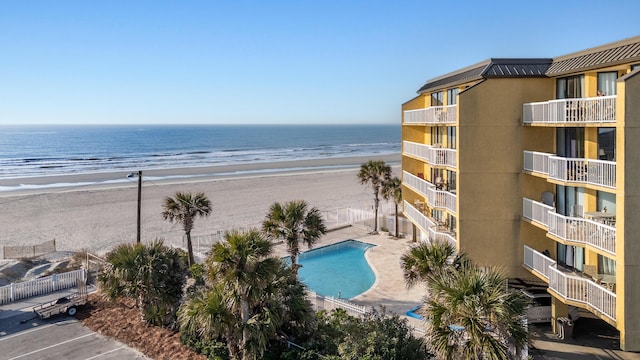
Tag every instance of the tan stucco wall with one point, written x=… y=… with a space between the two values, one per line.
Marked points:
x=490 y=153
x=628 y=211
x=418 y=102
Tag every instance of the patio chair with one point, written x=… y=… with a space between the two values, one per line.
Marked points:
x=439 y=183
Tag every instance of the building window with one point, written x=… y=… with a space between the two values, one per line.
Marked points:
x=607 y=144
x=570 y=142
x=437 y=135
x=436 y=98
x=451 y=180
x=452 y=96
x=570 y=87
x=451 y=137
x=570 y=201
x=452 y=223
x=606 y=200
x=571 y=256
x=635 y=66
x=606 y=266
x=607 y=82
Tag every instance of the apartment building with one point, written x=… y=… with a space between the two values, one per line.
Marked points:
x=534 y=165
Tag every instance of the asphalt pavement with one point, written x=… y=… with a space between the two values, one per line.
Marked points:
x=23 y=335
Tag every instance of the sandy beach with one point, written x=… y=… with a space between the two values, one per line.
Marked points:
x=99 y=216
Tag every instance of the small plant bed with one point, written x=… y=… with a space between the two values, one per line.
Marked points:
x=121 y=321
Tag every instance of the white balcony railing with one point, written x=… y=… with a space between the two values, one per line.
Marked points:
x=436 y=198
x=571 y=287
x=421 y=186
x=427 y=225
x=572 y=170
x=583 y=231
x=582 y=290
x=573 y=229
x=442 y=236
x=537 y=161
x=441 y=199
x=536 y=211
x=538 y=262
x=601 y=109
x=590 y=171
x=431 y=115
x=433 y=155
x=417 y=217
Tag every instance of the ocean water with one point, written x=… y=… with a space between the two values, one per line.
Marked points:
x=37 y=151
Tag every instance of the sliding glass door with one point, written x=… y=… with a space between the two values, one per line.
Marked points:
x=570 y=87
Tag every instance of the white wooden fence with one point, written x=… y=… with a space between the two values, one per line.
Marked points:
x=329 y=303
x=41 y=286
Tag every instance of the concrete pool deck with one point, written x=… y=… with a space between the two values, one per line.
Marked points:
x=593 y=339
x=389 y=288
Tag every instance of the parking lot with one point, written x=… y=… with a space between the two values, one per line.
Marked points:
x=60 y=337
x=25 y=336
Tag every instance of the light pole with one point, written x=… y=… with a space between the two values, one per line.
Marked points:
x=139 y=200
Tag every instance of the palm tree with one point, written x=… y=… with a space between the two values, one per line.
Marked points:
x=208 y=316
x=152 y=274
x=375 y=173
x=392 y=190
x=471 y=315
x=252 y=298
x=424 y=260
x=294 y=223
x=184 y=208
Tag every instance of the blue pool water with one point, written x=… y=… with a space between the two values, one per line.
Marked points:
x=338 y=270
x=414 y=313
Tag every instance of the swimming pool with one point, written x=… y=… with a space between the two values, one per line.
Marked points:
x=338 y=270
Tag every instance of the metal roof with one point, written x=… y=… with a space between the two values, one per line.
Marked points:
x=619 y=52
x=492 y=68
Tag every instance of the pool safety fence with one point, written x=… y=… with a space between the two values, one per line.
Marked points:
x=28 y=251
x=334 y=219
x=405 y=227
x=330 y=303
x=41 y=286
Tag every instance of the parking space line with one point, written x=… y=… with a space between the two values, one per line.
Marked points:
x=52 y=346
x=105 y=353
x=26 y=332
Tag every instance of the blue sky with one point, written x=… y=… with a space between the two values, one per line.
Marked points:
x=248 y=62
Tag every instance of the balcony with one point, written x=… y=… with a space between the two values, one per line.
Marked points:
x=581 y=111
x=433 y=155
x=536 y=211
x=434 y=115
x=439 y=199
x=427 y=224
x=571 y=287
x=577 y=230
x=572 y=170
x=583 y=231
